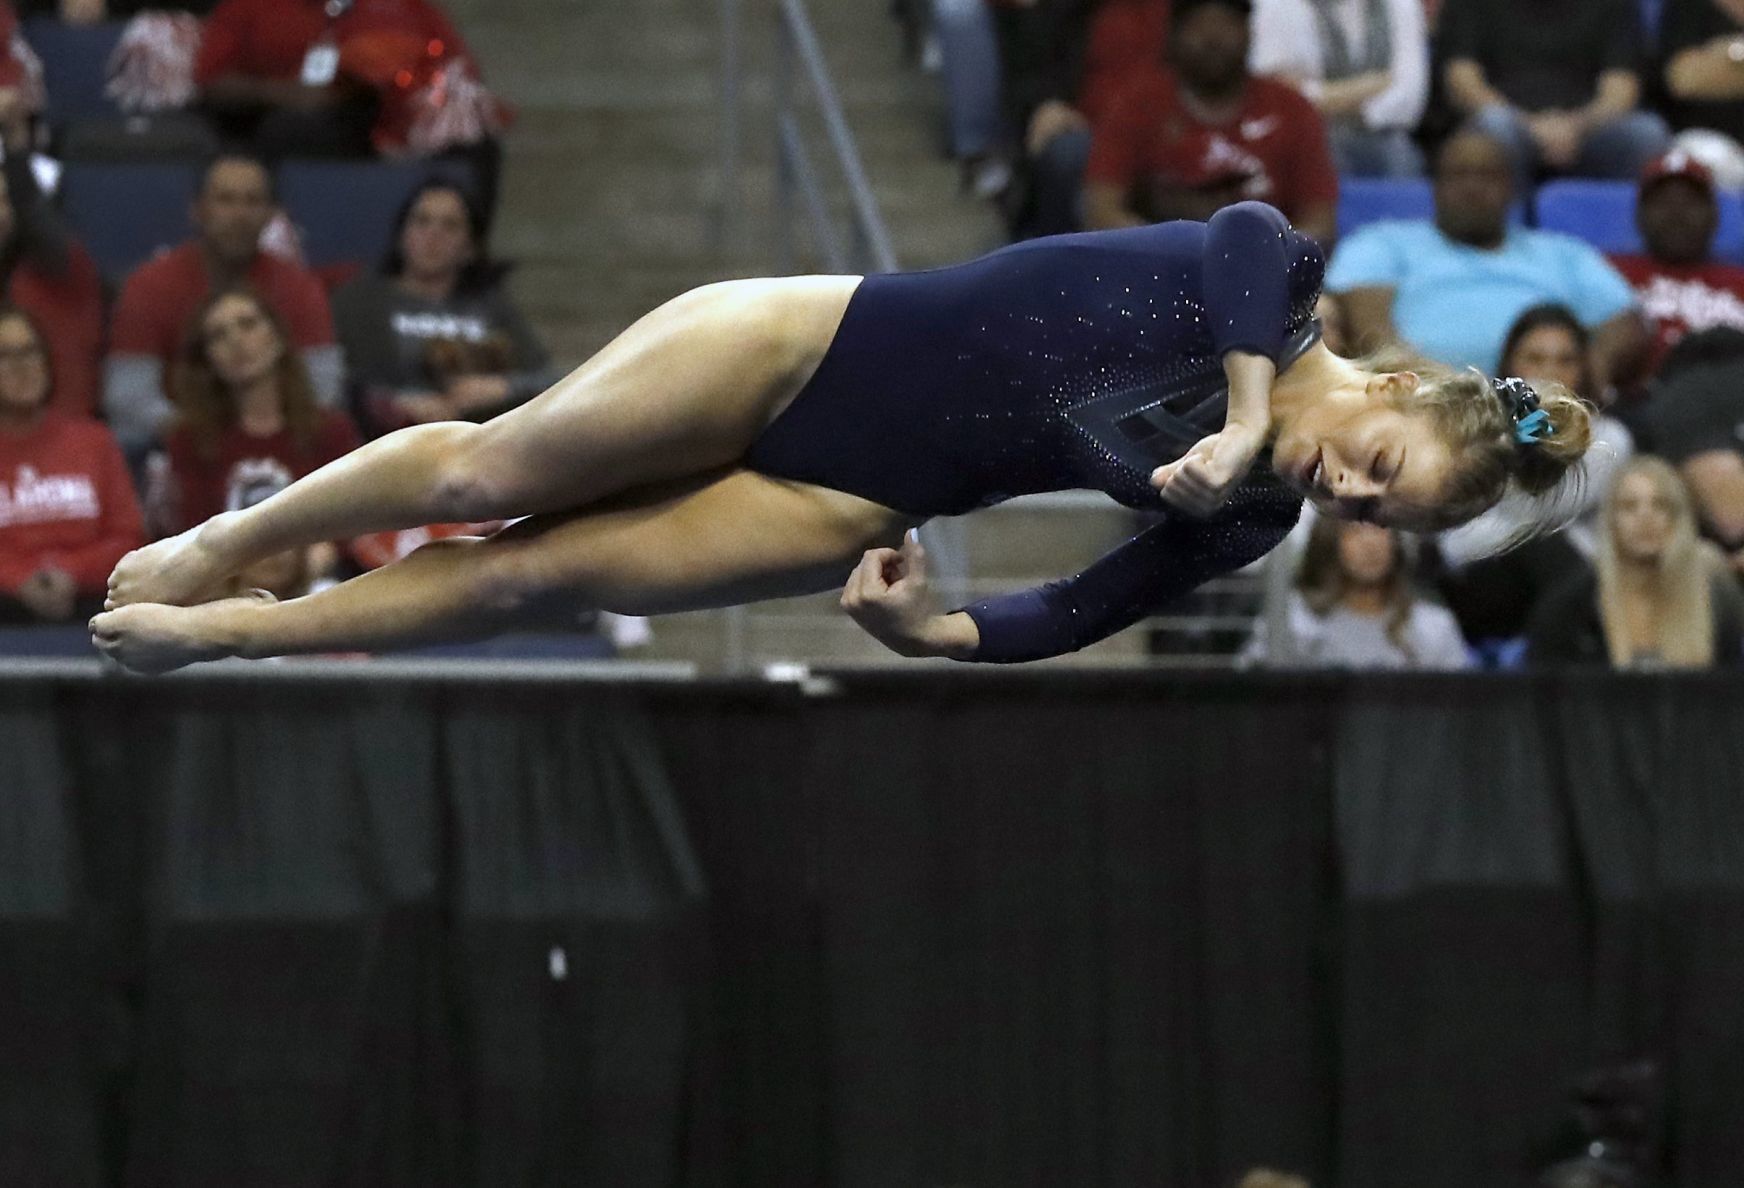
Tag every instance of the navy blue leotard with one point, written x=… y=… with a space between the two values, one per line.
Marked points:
x=1077 y=361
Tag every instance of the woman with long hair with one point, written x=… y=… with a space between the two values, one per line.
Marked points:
x=247 y=425
x=1353 y=605
x=432 y=335
x=753 y=439
x=1660 y=597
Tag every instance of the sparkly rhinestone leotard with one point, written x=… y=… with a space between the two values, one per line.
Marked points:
x=1078 y=361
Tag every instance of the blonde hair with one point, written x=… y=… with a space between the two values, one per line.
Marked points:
x=1479 y=431
x=1683 y=579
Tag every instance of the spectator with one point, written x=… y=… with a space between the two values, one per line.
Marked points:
x=1127 y=39
x=246 y=418
x=1042 y=47
x=45 y=271
x=67 y=508
x=1184 y=143
x=1554 y=81
x=248 y=424
x=1702 y=45
x=1354 y=606
x=433 y=336
x=1363 y=63
x=1498 y=567
x=1679 y=284
x=161 y=298
x=1696 y=419
x=1452 y=288
x=1660 y=597
x=329 y=77
x=971 y=74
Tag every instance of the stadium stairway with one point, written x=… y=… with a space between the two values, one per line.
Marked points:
x=608 y=208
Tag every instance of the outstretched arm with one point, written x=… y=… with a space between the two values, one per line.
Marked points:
x=888 y=597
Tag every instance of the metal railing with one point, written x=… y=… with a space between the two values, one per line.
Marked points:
x=802 y=78
x=801 y=74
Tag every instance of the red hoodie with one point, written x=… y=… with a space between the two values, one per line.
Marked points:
x=66 y=501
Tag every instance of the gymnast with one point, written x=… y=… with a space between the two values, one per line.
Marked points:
x=767 y=438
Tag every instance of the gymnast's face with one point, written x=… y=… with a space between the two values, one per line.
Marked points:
x=242 y=344
x=1359 y=456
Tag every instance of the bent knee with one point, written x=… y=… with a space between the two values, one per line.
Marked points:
x=473 y=480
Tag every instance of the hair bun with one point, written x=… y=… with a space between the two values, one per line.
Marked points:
x=1559 y=444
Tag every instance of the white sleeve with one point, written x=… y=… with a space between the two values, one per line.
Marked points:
x=1401 y=104
x=1442 y=645
x=1285 y=42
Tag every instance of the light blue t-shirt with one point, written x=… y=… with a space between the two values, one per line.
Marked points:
x=1455 y=303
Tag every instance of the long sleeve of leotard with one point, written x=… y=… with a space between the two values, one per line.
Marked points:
x=1134 y=580
x=1246 y=279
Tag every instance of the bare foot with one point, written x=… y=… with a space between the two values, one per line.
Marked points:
x=175 y=571
x=150 y=637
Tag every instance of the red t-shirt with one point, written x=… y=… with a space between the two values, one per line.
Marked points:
x=1127 y=39
x=67 y=501
x=163 y=295
x=248 y=469
x=1677 y=300
x=270 y=38
x=1277 y=142
x=68 y=309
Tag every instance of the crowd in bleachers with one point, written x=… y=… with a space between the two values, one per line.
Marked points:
x=236 y=239
x=1547 y=188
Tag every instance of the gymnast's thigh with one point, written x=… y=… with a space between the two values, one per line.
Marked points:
x=721 y=540
x=685 y=390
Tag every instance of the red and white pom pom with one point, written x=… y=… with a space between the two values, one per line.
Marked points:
x=152 y=68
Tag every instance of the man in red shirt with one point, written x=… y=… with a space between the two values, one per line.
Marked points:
x=234 y=205
x=1680 y=286
x=1182 y=143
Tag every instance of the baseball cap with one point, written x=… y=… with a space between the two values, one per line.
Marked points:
x=1676 y=163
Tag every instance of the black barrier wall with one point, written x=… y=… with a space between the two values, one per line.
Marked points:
x=963 y=929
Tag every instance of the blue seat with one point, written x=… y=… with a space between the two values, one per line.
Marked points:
x=1371 y=199
x=1603 y=214
x=124 y=213
x=1600 y=212
x=345 y=209
x=75 y=67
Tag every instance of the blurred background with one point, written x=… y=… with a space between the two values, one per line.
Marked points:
x=1387 y=861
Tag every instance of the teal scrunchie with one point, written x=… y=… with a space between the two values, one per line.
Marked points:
x=1532 y=428
x=1531 y=423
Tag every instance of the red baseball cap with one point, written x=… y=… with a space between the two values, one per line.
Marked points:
x=1677 y=163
